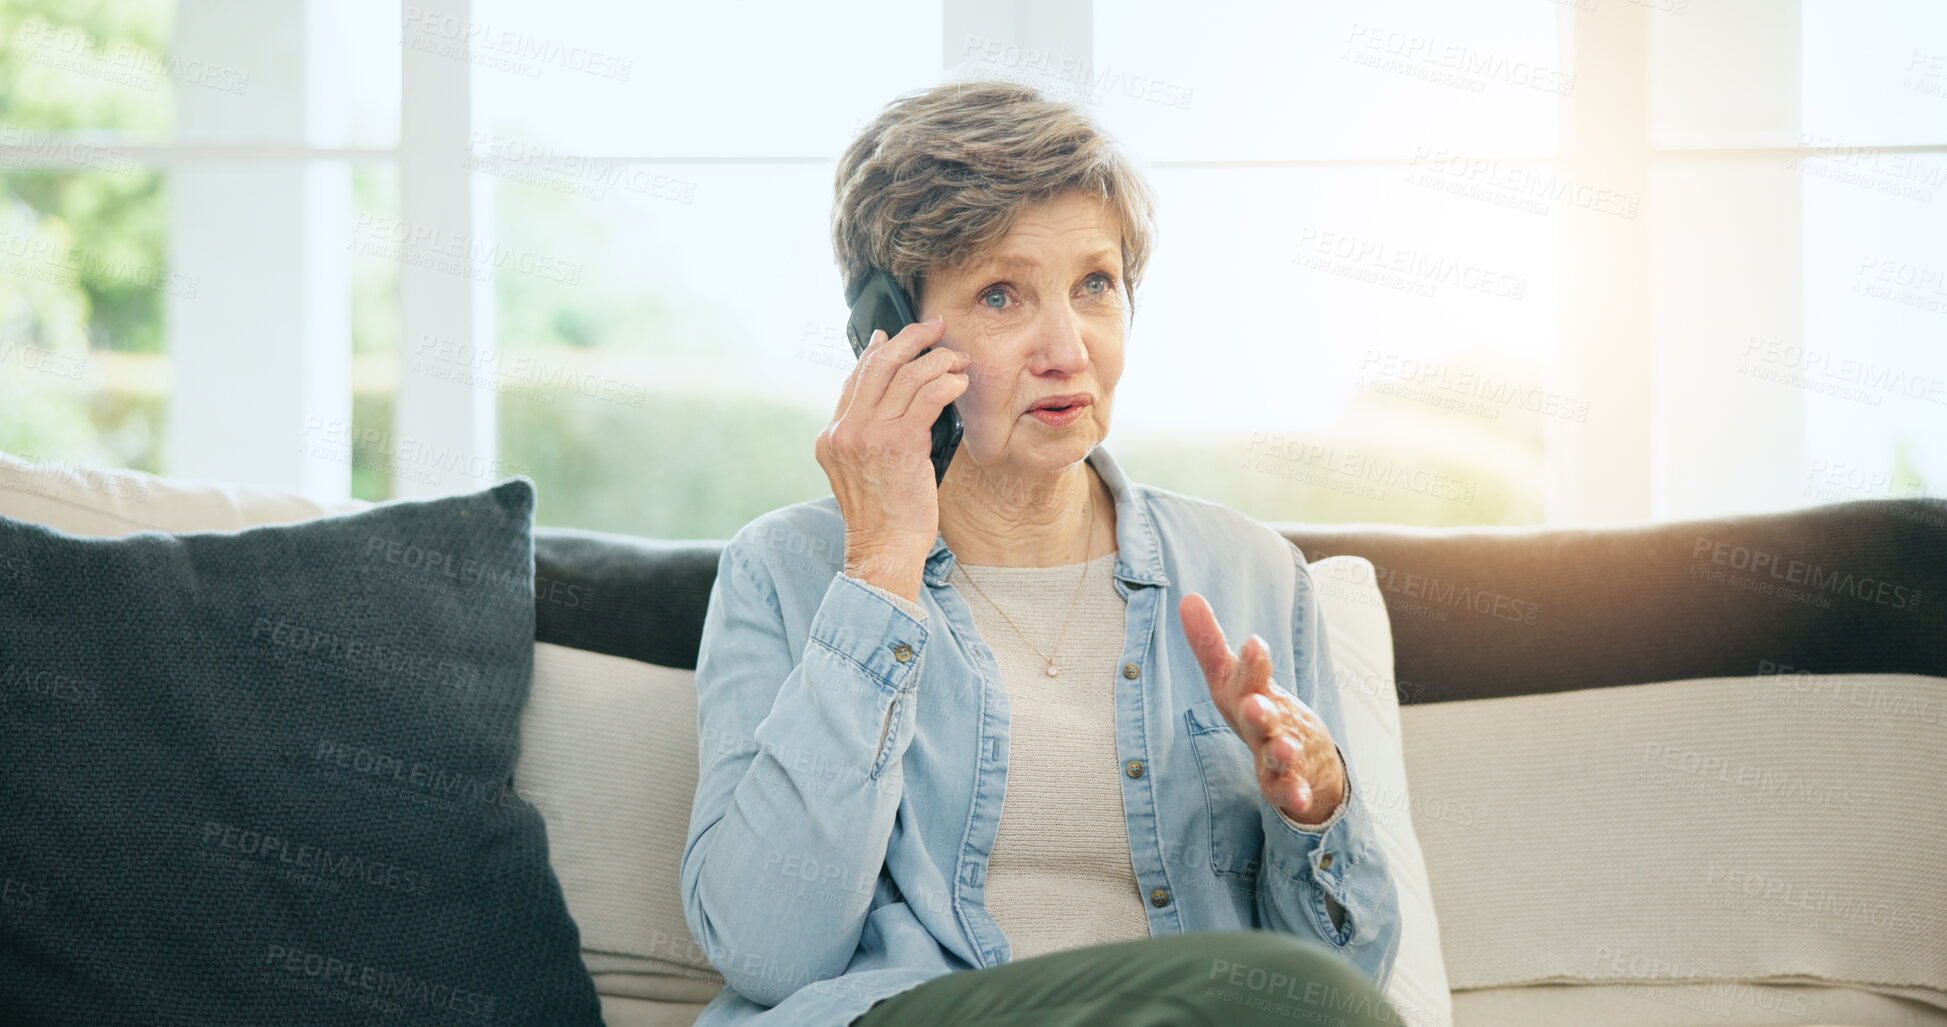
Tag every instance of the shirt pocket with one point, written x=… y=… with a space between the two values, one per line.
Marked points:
x=1230 y=791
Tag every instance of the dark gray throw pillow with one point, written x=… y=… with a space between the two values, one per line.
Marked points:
x=264 y=776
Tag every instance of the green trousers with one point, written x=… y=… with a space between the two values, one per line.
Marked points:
x=1205 y=977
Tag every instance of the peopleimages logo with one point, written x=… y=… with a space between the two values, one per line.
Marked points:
x=1472 y=383
x=123 y=62
x=1417 y=271
x=24 y=142
x=1718 y=778
x=378 y=982
x=1694 y=987
x=1455 y=594
x=22 y=895
x=18 y=679
x=451 y=36
x=452 y=568
x=1832 y=909
x=1798 y=572
x=1088 y=79
x=44 y=259
x=1353 y=466
x=241 y=841
x=1513 y=185
x=437 y=780
x=458 y=253
x=508 y=371
x=1426 y=57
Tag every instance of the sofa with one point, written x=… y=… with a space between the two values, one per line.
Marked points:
x=1681 y=773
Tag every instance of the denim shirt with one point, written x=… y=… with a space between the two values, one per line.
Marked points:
x=852 y=760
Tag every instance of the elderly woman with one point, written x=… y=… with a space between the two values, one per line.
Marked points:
x=980 y=752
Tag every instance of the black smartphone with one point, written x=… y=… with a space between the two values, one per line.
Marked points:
x=878 y=303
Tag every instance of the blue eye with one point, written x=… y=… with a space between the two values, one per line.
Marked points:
x=995 y=291
x=1108 y=284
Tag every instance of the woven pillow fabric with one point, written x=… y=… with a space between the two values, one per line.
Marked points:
x=263 y=776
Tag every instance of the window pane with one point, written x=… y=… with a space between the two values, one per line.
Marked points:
x=1266 y=80
x=83 y=282
x=1372 y=345
x=1875 y=72
x=147 y=71
x=1798 y=311
x=1873 y=372
x=607 y=79
x=97 y=68
x=1724 y=73
x=1725 y=265
x=668 y=375
x=375 y=332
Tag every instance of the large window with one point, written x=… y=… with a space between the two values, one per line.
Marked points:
x=1502 y=262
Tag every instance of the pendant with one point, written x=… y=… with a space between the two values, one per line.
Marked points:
x=1051 y=669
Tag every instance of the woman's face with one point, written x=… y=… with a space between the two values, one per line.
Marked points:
x=1040 y=315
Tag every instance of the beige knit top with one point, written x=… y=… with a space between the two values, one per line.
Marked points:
x=1060 y=876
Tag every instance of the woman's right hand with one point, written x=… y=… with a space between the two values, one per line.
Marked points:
x=878 y=453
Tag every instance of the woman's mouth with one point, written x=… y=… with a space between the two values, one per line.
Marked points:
x=1059 y=416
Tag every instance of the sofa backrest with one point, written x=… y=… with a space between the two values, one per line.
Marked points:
x=1844 y=588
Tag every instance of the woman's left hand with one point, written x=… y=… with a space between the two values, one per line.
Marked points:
x=1297 y=762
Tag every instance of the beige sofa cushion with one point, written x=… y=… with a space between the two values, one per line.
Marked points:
x=608 y=753
x=112 y=503
x=1778 y=828
x=623 y=1011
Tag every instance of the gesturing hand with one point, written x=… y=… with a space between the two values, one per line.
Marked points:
x=1297 y=762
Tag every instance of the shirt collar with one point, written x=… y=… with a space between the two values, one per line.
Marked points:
x=1139 y=560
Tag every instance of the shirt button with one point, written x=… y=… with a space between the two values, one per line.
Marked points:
x=1325 y=862
x=902 y=652
x=1135 y=768
x=1130 y=670
x=1159 y=897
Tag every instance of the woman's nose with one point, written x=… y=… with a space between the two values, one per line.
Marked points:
x=1058 y=341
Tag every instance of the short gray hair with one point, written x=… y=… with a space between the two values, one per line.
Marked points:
x=940 y=175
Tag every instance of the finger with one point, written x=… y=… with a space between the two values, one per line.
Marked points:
x=1259 y=721
x=932 y=399
x=1285 y=739
x=879 y=365
x=1280 y=752
x=1290 y=791
x=851 y=385
x=1256 y=654
x=1207 y=642
x=1288 y=784
x=1251 y=678
x=918 y=388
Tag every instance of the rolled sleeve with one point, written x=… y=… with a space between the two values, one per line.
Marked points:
x=865 y=626
x=1337 y=875
x=913 y=609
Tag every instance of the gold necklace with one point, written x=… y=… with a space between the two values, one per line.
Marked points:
x=1087 y=537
